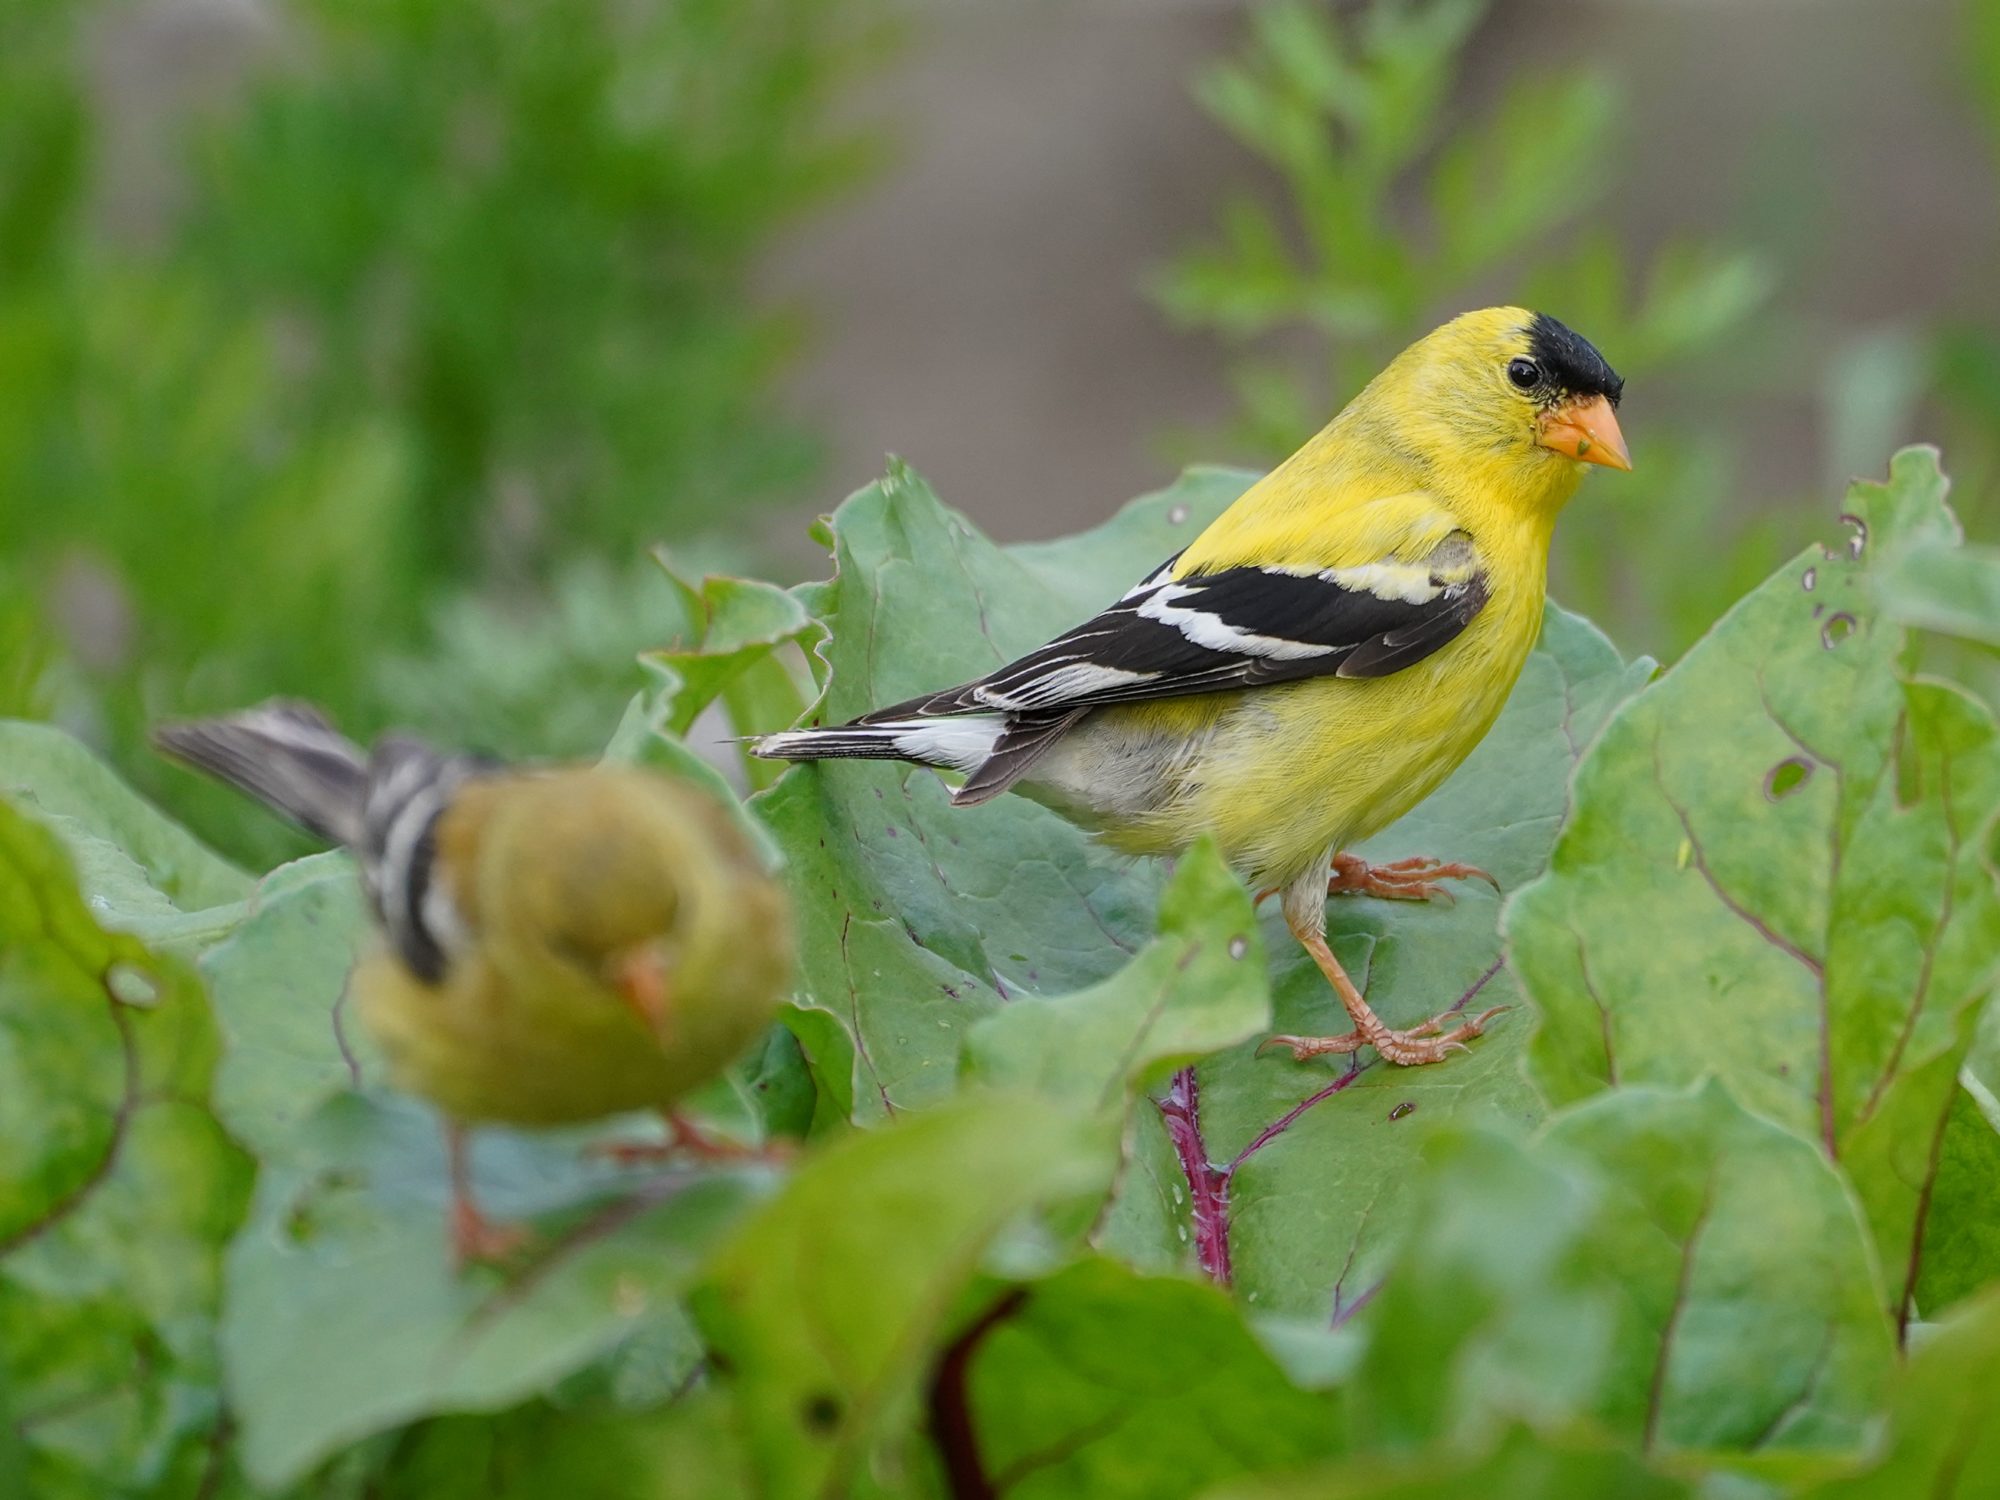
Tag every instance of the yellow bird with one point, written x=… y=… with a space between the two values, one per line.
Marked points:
x=1319 y=659
x=558 y=944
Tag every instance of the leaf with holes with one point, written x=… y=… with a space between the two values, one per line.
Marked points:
x=1803 y=831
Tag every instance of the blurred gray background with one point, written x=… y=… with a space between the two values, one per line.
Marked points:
x=981 y=309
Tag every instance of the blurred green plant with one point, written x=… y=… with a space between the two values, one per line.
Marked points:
x=1396 y=213
x=447 y=297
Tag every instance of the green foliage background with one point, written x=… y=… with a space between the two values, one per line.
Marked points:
x=1710 y=1213
x=453 y=313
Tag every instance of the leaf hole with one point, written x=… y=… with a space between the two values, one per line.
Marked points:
x=1859 y=541
x=1786 y=777
x=1407 y=1107
x=1808 y=579
x=821 y=1413
x=1838 y=627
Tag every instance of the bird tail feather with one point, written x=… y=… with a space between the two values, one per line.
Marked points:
x=283 y=753
x=952 y=744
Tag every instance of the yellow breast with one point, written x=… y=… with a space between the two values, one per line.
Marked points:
x=1279 y=775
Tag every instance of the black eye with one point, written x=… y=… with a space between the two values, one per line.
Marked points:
x=1525 y=373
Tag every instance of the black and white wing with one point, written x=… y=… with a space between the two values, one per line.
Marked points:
x=383 y=805
x=409 y=786
x=1234 y=628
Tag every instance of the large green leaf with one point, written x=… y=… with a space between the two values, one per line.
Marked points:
x=1104 y=1383
x=117 y=1192
x=1961 y=1249
x=1662 y=1265
x=1804 y=834
x=920 y=920
x=824 y=1306
x=345 y=1254
x=1942 y=1440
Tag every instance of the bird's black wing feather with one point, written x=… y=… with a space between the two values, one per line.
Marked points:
x=409 y=786
x=1235 y=628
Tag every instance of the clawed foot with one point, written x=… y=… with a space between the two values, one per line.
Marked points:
x=478 y=1240
x=1426 y=1043
x=685 y=1139
x=1415 y=879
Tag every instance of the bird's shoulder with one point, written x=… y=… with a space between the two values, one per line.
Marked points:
x=1329 y=531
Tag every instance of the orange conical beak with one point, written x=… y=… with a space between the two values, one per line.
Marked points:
x=1586 y=430
x=643 y=979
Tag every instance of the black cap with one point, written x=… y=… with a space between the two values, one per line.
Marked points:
x=1571 y=361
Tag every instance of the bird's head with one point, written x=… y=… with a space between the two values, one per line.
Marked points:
x=1514 y=393
x=598 y=869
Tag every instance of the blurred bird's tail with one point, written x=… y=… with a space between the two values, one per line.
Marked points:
x=287 y=754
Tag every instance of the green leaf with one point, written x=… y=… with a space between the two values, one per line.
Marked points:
x=1953 y=590
x=117 y=1190
x=1199 y=987
x=51 y=775
x=729 y=647
x=537 y=1452
x=1104 y=1383
x=279 y=985
x=1942 y=1439
x=1309 y=1212
x=1961 y=1251
x=345 y=1254
x=1521 y=1467
x=823 y=1315
x=1803 y=831
x=1666 y=1267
